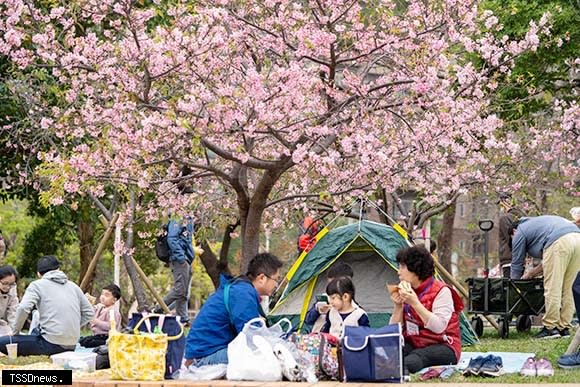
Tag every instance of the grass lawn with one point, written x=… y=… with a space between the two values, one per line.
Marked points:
x=551 y=349
x=517 y=342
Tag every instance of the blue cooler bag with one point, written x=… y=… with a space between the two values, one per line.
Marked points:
x=373 y=354
x=176 y=340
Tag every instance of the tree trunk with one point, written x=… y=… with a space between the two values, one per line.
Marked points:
x=142 y=303
x=210 y=262
x=250 y=239
x=86 y=234
x=251 y=215
x=213 y=266
x=445 y=237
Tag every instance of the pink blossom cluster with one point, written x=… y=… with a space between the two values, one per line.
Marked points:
x=270 y=100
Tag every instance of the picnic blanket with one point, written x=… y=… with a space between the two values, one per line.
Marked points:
x=512 y=361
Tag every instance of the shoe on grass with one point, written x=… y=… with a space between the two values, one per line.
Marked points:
x=544 y=368
x=564 y=332
x=571 y=361
x=474 y=365
x=493 y=366
x=529 y=367
x=548 y=333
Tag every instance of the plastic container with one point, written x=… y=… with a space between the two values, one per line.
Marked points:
x=76 y=361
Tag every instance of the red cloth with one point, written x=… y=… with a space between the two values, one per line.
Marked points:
x=306 y=242
x=451 y=337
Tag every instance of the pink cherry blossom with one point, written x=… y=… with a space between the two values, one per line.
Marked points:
x=265 y=103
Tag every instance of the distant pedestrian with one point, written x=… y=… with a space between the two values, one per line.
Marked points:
x=180 y=241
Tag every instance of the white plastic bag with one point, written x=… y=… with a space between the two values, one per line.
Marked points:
x=250 y=355
x=206 y=372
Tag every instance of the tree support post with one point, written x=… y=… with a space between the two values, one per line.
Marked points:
x=149 y=285
x=88 y=275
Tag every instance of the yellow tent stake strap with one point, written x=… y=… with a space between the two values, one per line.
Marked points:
x=397 y=227
x=307 y=297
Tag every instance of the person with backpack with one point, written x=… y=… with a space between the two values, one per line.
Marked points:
x=224 y=314
x=180 y=243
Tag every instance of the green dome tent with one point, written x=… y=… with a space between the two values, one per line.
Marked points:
x=370 y=249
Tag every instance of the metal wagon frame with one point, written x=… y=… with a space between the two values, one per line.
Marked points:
x=505 y=297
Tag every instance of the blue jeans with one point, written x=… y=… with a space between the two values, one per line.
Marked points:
x=219 y=357
x=33 y=344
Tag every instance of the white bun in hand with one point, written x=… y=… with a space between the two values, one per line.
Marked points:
x=406 y=286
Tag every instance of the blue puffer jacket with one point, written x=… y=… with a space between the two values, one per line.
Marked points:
x=179 y=239
x=211 y=329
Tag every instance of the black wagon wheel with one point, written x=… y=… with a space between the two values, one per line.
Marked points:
x=503 y=330
x=477 y=325
x=524 y=323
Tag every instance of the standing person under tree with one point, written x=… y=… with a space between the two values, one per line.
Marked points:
x=180 y=241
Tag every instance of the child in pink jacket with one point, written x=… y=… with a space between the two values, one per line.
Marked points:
x=100 y=325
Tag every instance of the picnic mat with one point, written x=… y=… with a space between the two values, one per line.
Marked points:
x=512 y=361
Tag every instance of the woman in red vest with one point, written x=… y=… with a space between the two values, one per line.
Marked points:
x=428 y=310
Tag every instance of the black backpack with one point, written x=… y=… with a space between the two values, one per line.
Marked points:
x=162 y=247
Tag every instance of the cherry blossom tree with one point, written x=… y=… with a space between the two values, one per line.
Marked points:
x=253 y=107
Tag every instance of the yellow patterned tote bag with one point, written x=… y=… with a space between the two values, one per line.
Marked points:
x=137 y=356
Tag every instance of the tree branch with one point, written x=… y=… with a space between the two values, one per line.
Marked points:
x=252 y=162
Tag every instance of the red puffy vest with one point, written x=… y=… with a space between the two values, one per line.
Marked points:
x=451 y=337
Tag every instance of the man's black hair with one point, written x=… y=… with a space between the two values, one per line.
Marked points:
x=263 y=263
x=114 y=289
x=47 y=263
x=340 y=269
x=418 y=260
x=7 y=271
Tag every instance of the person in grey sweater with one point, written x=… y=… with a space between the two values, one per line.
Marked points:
x=63 y=309
x=556 y=241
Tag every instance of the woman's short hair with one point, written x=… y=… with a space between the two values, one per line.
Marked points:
x=7 y=271
x=418 y=260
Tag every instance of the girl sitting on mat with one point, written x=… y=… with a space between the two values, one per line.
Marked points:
x=343 y=312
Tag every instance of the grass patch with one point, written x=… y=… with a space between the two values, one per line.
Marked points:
x=24 y=360
x=551 y=349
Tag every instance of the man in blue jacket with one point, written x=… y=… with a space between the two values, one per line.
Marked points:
x=217 y=325
x=179 y=239
x=556 y=241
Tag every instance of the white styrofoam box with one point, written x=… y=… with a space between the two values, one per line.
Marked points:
x=76 y=361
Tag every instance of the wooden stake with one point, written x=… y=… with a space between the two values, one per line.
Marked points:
x=86 y=280
x=149 y=285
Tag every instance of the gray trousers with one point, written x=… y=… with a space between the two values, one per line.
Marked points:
x=178 y=294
